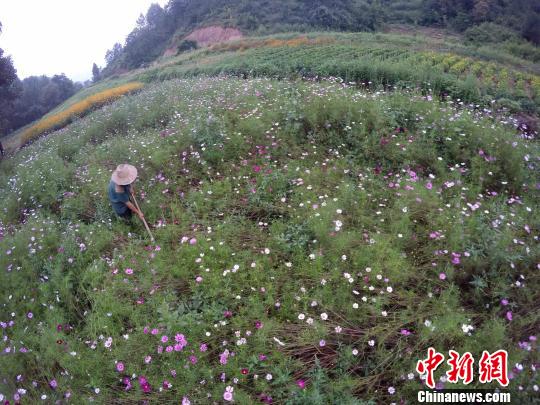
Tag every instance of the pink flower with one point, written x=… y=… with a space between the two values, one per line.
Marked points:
x=429 y=186
x=148 y=359
x=30 y=315
x=154 y=331
x=53 y=384
x=193 y=359
x=169 y=349
x=203 y=347
x=146 y=330
x=129 y=271
x=322 y=343
x=442 y=276
x=164 y=339
x=405 y=332
x=456 y=258
x=262 y=357
x=192 y=241
x=504 y=302
x=509 y=315
x=120 y=366
x=228 y=394
x=199 y=279
x=223 y=357
x=301 y=384
x=258 y=324
x=256 y=169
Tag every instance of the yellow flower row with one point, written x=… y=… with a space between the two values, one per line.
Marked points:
x=77 y=110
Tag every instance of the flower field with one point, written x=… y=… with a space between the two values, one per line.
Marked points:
x=313 y=240
x=75 y=111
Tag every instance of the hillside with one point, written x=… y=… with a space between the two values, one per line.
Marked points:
x=314 y=234
x=165 y=30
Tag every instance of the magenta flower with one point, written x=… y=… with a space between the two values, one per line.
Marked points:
x=30 y=315
x=53 y=384
x=169 y=349
x=405 y=332
x=120 y=366
x=154 y=331
x=223 y=357
x=129 y=271
x=164 y=339
x=203 y=347
x=322 y=343
x=301 y=384
x=258 y=324
x=456 y=258
x=193 y=359
x=509 y=315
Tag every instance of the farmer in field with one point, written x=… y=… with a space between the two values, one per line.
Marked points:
x=120 y=189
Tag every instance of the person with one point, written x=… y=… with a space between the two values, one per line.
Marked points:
x=121 y=188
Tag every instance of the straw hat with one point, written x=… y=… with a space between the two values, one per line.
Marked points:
x=124 y=174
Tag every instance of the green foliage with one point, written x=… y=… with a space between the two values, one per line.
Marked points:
x=325 y=234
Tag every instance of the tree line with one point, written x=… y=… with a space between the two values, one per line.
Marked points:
x=24 y=101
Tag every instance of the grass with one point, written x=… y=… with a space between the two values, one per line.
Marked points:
x=313 y=240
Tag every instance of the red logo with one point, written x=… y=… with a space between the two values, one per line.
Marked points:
x=490 y=367
x=461 y=367
x=429 y=366
x=494 y=367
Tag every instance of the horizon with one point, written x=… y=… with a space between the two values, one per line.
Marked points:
x=65 y=42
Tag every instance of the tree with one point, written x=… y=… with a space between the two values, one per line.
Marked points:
x=113 y=53
x=8 y=91
x=96 y=74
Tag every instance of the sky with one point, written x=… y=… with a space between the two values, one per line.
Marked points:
x=48 y=37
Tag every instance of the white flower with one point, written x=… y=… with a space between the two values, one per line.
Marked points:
x=266 y=251
x=344 y=257
x=371 y=343
x=355 y=305
x=324 y=316
x=309 y=321
x=389 y=289
x=96 y=390
x=384 y=313
x=269 y=377
x=427 y=323
x=391 y=390
x=355 y=352
x=301 y=317
x=338 y=329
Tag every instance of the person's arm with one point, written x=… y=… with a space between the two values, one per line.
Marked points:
x=132 y=207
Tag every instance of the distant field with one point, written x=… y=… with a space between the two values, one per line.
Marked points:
x=438 y=64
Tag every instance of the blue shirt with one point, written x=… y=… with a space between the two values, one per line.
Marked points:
x=119 y=200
